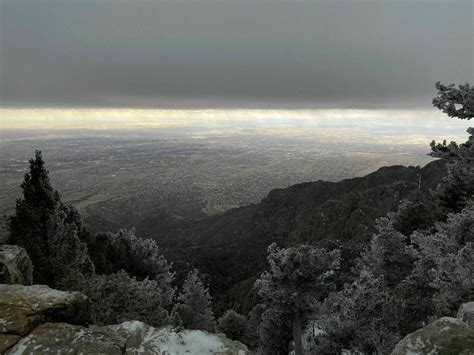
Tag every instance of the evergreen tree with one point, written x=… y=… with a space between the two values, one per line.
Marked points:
x=124 y=250
x=69 y=259
x=361 y=317
x=253 y=324
x=386 y=255
x=233 y=325
x=119 y=297
x=445 y=261
x=297 y=280
x=455 y=102
x=458 y=186
x=275 y=331
x=48 y=229
x=194 y=304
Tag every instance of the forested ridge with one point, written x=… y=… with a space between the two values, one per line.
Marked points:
x=316 y=268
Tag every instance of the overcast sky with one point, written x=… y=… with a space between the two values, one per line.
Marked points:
x=232 y=53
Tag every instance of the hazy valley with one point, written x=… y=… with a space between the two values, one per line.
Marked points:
x=154 y=179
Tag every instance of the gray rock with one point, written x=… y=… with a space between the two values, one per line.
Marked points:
x=466 y=313
x=62 y=338
x=131 y=338
x=7 y=341
x=15 y=265
x=447 y=336
x=39 y=298
x=22 y=308
x=144 y=339
x=29 y=325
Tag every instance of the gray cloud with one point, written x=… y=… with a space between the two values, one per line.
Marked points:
x=232 y=53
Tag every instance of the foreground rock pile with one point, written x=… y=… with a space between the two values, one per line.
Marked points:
x=37 y=320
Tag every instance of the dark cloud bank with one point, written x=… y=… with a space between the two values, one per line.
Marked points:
x=232 y=53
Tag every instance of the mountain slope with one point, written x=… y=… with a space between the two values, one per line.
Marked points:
x=232 y=247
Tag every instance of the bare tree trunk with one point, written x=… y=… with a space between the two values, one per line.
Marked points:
x=297 y=335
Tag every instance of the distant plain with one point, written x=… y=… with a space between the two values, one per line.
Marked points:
x=157 y=176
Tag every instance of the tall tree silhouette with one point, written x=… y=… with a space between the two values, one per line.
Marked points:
x=48 y=229
x=458 y=186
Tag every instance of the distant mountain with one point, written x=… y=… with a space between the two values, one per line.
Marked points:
x=232 y=247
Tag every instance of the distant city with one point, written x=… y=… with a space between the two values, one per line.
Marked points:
x=120 y=178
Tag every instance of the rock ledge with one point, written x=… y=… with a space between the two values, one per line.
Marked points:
x=33 y=321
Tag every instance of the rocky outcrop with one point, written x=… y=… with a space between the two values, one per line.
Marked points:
x=32 y=321
x=127 y=338
x=15 y=265
x=445 y=336
x=22 y=308
x=466 y=313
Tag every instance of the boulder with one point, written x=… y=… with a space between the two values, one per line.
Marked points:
x=7 y=341
x=22 y=308
x=128 y=338
x=142 y=338
x=58 y=338
x=42 y=301
x=15 y=265
x=466 y=313
x=447 y=336
x=32 y=321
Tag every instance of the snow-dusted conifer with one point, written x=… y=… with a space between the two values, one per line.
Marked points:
x=194 y=305
x=124 y=250
x=458 y=187
x=361 y=317
x=445 y=261
x=298 y=278
x=48 y=229
x=233 y=325
x=386 y=255
x=119 y=297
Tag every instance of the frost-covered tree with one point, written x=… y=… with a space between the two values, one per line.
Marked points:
x=361 y=317
x=416 y=266
x=275 y=331
x=194 y=305
x=69 y=258
x=253 y=324
x=48 y=229
x=124 y=250
x=455 y=102
x=458 y=186
x=445 y=261
x=386 y=255
x=116 y=298
x=233 y=325
x=298 y=278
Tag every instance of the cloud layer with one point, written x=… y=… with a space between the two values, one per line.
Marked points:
x=232 y=53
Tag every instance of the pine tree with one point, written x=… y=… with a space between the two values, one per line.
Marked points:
x=386 y=255
x=124 y=250
x=458 y=186
x=445 y=261
x=119 y=297
x=194 y=304
x=455 y=102
x=48 y=229
x=361 y=317
x=297 y=280
x=253 y=324
x=233 y=325
x=69 y=259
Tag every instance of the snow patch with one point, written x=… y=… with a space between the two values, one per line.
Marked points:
x=193 y=341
